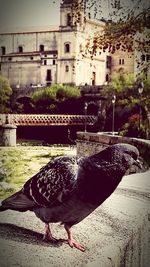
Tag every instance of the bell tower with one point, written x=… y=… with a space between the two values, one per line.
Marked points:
x=71 y=27
x=71 y=14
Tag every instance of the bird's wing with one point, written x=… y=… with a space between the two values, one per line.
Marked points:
x=53 y=182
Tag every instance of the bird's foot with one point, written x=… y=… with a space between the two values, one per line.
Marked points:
x=48 y=235
x=74 y=244
x=49 y=238
x=70 y=240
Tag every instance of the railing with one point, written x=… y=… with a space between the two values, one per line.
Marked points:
x=46 y=119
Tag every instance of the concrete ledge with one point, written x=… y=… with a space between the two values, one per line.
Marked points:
x=128 y=213
x=116 y=234
x=90 y=143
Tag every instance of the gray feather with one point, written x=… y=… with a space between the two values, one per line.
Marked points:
x=68 y=189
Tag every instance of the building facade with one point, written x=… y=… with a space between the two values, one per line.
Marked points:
x=49 y=55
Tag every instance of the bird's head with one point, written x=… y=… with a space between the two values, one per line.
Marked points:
x=116 y=158
x=104 y=170
x=129 y=154
x=113 y=162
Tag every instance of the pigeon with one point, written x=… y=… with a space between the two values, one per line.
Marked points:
x=69 y=188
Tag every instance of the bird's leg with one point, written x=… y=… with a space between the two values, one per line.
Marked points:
x=48 y=235
x=70 y=240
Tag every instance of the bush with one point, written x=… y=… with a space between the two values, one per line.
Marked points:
x=131 y=128
x=54 y=98
x=5 y=95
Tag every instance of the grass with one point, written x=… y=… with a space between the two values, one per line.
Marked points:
x=19 y=163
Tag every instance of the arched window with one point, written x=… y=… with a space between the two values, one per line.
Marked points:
x=41 y=48
x=107 y=77
x=20 y=49
x=67 y=48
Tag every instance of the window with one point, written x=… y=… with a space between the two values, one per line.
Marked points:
x=107 y=77
x=68 y=20
x=93 y=77
x=79 y=18
x=45 y=62
x=3 y=50
x=147 y=57
x=54 y=62
x=41 y=48
x=143 y=57
x=20 y=49
x=108 y=62
x=80 y=48
x=49 y=76
x=67 y=48
x=121 y=61
x=67 y=68
x=31 y=58
x=10 y=58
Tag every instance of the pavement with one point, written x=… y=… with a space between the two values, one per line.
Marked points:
x=116 y=234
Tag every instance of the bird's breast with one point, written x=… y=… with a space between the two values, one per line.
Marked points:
x=74 y=210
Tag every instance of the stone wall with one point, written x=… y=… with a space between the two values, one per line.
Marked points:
x=133 y=191
x=91 y=143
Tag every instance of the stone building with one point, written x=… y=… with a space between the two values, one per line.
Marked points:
x=128 y=62
x=51 y=55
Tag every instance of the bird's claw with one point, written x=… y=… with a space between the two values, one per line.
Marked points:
x=48 y=238
x=74 y=244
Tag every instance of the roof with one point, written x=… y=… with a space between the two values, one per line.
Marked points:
x=34 y=53
x=69 y=1
x=21 y=54
x=30 y=29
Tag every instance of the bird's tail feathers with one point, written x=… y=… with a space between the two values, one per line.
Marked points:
x=2 y=208
x=18 y=202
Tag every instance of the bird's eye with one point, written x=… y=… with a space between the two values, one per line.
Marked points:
x=132 y=154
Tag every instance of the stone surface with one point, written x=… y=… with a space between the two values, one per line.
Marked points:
x=8 y=135
x=116 y=234
x=91 y=143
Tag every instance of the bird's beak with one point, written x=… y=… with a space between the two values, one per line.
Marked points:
x=137 y=163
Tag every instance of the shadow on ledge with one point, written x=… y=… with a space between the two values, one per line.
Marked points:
x=23 y=235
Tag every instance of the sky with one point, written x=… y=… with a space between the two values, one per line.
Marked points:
x=26 y=13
